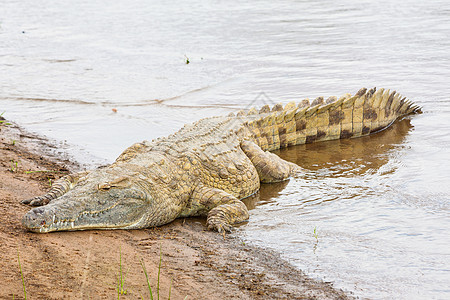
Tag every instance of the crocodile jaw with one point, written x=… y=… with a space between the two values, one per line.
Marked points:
x=65 y=215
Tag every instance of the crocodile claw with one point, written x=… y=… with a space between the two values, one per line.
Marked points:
x=219 y=226
x=36 y=201
x=26 y=201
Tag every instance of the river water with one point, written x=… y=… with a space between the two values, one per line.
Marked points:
x=379 y=205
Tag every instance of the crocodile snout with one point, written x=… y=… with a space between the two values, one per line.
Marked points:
x=37 y=218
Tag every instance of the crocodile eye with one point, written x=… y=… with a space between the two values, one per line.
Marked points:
x=104 y=186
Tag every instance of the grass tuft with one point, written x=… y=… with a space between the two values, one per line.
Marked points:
x=14 y=166
x=158 y=279
x=3 y=121
x=316 y=235
x=121 y=278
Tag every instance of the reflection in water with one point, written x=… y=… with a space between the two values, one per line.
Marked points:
x=334 y=159
x=266 y=194
x=349 y=157
x=360 y=159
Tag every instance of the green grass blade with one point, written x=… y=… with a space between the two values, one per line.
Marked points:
x=121 y=277
x=118 y=287
x=159 y=270
x=148 y=282
x=170 y=288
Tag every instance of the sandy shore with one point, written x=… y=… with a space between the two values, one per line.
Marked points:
x=195 y=263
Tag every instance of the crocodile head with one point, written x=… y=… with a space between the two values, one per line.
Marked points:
x=100 y=201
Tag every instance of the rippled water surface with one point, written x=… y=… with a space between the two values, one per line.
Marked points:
x=379 y=204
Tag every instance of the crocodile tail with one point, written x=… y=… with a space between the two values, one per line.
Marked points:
x=366 y=112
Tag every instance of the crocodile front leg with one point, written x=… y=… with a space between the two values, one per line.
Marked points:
x=270 y=167
x=223 y=209
x=59 y=188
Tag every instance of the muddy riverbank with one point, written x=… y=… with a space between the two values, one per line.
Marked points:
x=84 y=265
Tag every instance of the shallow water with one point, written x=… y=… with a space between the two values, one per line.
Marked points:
x=380 y=204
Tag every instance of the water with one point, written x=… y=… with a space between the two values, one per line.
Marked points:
x=380 y=205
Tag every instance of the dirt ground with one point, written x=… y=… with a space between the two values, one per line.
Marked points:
x=195 y=263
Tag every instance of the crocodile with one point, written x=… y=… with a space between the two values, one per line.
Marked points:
x=207 y=167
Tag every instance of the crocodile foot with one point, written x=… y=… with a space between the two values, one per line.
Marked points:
x=219 y=225
x=36 y=201
x=222 y=217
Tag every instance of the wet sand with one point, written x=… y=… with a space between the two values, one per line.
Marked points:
x=85 y=265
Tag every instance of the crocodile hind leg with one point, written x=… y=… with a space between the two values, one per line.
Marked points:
x=270 y=167
x=223 y=209
x=59 y=188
